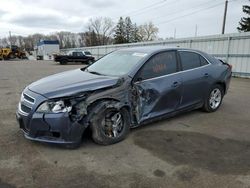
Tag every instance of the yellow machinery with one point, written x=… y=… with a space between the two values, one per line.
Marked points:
x=11 y=53
x=5 y=53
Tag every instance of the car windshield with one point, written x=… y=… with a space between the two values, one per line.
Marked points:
x=117 y=63
x=87 y=53
x=69 y=53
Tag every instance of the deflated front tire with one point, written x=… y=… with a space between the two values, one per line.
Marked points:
x=109 y=125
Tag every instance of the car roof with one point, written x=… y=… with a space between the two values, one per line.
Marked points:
x=151 y=50
x=154 y=49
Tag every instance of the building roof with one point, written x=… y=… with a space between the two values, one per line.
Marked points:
x=50 y=42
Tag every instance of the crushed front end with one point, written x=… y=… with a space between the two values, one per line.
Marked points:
x=51 y=121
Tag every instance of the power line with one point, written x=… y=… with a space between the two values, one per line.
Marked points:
x=146 y=7
x=153 y=8
x=191 y=13
x=177 y=12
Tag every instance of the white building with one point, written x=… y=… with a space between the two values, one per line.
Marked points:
x=46 y=49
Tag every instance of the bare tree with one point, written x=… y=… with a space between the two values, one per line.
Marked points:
x=4 y=42
x=148 y=32
x=66 y=39
x=103 y=28
x=100 y=31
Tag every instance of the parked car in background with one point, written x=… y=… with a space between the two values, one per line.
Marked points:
x=75 y=56
x=122 y=90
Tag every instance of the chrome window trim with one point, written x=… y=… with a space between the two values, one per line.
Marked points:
x=196 y=53
x=209 y=63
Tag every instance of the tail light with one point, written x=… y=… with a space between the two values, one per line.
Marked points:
x=224 y=63
x=229 y=65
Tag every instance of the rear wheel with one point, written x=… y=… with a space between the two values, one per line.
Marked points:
x=11 y=56
x=63 y=62
x=110 y=125
x=214 y=99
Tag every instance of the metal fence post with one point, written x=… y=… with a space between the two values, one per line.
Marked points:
x=228 y=48
x=98 y=54
x=190 y=43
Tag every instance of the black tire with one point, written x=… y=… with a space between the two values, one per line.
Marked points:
x=208 y=107
x=63 y=61
x=5 y=58
x=99 y=129
x=11 y=56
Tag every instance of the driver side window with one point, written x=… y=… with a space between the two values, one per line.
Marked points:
x=160 y=64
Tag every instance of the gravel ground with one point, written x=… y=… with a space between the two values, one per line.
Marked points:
x=195 y=149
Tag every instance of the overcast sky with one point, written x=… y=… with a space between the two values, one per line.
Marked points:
x=23 y=17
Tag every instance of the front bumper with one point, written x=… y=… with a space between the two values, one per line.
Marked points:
x=49 y=128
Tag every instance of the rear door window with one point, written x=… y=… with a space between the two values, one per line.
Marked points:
x=189 y=60
x=203 y=61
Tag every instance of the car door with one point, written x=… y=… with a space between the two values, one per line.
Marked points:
x=78 y=56
x=74 y=56
x=157 y=86
x=195 y=76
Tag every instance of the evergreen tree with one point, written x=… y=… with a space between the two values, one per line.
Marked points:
x=119 y=36
x=135 y=37
x=245 y=21
x=128 y=30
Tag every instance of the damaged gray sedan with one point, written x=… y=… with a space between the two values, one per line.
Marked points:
x=122 y=90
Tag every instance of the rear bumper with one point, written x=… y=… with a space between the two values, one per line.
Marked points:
x=227 y=81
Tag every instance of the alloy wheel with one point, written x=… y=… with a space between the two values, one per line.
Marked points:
x=113 y=124
x=215 y=98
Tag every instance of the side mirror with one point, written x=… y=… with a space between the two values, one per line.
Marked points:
x=138 y=79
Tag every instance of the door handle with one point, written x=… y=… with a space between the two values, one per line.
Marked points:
x=175 y=84
x=206 y=75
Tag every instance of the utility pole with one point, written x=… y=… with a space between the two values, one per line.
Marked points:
x=10 y=38
x=174 y=33
x=224 y=18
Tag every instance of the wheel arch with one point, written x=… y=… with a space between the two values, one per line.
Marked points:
x=64 y=59
x=106 y=102
x=222 y=84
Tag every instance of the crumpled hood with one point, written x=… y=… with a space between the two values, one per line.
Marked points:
x=70 y=82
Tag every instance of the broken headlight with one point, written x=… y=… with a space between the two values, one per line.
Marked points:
x=54 y=107
x=78 y=110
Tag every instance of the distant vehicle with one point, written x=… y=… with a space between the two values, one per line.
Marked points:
x=75 y=56
x=122 y=90
x=46 y=48
x=12 y=52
